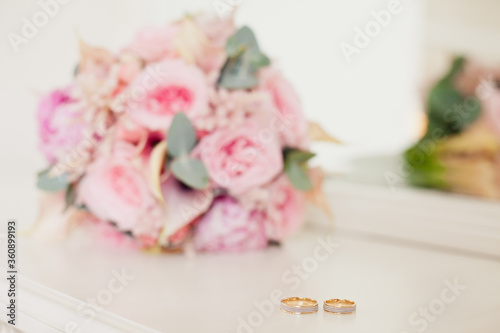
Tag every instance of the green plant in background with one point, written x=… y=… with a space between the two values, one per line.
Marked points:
x=450 y=112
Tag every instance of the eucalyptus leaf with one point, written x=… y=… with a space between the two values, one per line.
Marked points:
x=243 y=40
x=259 y=60
x=70 y=196
x=181 y=136
x=244 y=60
x=236 y=75
x=49 y=183
x=296 y=168
x=298 y=156
x=297 y=174
x=191 y=172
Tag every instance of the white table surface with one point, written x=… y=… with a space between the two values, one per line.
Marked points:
x=389 y=280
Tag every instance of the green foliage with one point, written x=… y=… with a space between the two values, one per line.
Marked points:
x=181 y=136
x=243 y=62
x=49 y=183
x=450 y=112
x=181 y=140
x=191 y=172
x=423 y=166
x=296 y=168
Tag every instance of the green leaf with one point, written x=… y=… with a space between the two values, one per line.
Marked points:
x=181 y=136
x=242 y=40
x=296 y=168
x=450 y=112
x=70 y=196
x=191 y=172
x=456 y=67
x=423 y=166
x=244 y=60
x=235 y=75
x=49 y=183
x=297 y=175
x=259 y=60
x=298 y=156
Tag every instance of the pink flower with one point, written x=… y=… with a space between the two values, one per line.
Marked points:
x=162 y=90
x=155 y=43
x=60 y=126
x=285 y=209
x=129 y=131
x=218 y=30
x=107 y=235
x=243 y=158
x=228 y=226
x=293 y=126
x=113 y=190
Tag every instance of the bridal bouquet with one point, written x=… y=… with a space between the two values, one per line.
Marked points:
x=461 y=150
x=189 y=134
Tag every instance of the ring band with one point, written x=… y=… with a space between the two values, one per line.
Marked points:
x=339 y=306
x=299 y=305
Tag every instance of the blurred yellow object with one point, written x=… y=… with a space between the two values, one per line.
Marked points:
x=472 y=162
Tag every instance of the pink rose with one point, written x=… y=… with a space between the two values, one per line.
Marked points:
x=155 y=43
x=60 y=125
x=228 y=226
x=162 y=90
x=114 y=191
x=242 y=158
x=293 y=128
x=285 y=209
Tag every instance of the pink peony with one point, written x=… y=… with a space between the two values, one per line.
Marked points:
x=293 y=127
x=229 y=227
x=114 y=191
x=162 y=90
x=285 y=209
x=243 y=158
x=60 y=126
x=107 y=235
x=154 y=43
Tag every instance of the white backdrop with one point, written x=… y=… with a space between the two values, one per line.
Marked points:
x=370 y=103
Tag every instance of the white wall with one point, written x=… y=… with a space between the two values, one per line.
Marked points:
x=369 y=103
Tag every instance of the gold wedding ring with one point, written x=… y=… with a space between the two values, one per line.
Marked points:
x=339 y=306
x=299 y=305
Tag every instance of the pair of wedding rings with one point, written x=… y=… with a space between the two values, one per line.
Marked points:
x=304 y=305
